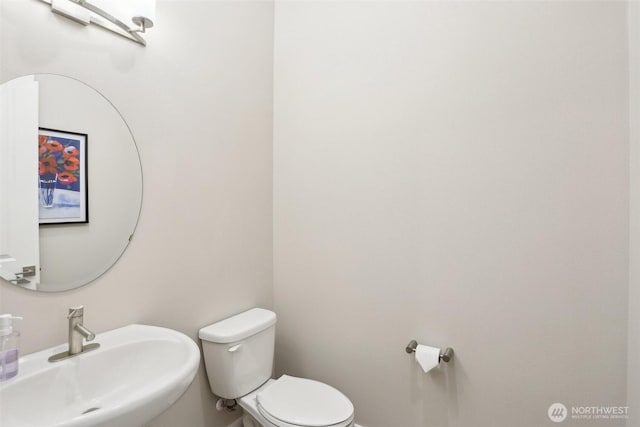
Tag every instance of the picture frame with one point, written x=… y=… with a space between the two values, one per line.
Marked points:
x=63 y=194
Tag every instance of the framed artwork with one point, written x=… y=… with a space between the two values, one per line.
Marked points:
x=62 y=170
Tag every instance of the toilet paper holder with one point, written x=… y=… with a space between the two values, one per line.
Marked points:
x=445 y=356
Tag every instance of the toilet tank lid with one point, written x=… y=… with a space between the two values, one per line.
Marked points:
x=238 y=327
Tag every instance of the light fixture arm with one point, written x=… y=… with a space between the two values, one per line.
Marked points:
x=142 y=23
x=129 y=32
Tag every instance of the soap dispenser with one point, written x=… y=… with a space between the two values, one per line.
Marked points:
x=9 y=340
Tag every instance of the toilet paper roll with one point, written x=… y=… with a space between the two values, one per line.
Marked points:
x=427 y=357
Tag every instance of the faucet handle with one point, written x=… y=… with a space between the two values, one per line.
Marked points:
x=77 y=311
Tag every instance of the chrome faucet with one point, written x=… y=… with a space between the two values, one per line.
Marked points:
x=77 y=333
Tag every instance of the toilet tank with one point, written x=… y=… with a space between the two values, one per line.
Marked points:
x=238 y=352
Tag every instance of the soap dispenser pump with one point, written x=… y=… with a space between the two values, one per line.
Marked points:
x=9 y=340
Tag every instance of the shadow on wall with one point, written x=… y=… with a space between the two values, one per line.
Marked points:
x=436 y=390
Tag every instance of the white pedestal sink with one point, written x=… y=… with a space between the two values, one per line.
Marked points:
x=136 y=374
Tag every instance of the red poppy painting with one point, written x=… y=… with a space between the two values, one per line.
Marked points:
x=62 y=169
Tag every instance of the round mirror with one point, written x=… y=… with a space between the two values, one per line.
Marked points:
x=70 y=183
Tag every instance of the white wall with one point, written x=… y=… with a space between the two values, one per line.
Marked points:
x=633 y=374
x=199 y=102
x=457 y=173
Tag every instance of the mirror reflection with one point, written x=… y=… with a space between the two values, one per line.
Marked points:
x=70 y=183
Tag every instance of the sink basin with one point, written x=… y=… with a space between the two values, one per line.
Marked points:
x=137 y=373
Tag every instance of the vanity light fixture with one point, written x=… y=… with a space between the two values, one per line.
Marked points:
x=140 y=12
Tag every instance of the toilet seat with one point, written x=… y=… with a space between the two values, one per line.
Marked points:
x=300 y=402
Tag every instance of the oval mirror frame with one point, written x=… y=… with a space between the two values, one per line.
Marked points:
x=96 y=196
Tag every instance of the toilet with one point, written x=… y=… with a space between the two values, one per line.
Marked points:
x=238 y=356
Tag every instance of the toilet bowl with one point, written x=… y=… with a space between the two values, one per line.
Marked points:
x=296 y=402
x=238 y=353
